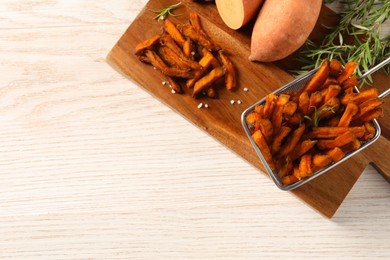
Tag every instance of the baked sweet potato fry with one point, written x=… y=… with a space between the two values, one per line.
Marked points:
x=339 y=141
x=302 y=148
x=171 y=29
x=207 y=80
x=319 y=78
x=291 y=142
x=230 y=74
x=157 y=62
x=277 y=115
x=326 y=132
x=336 y=154
x=147 y=44
x=278 y=138
x=359 y=97
x=349 y=112
x=335 y=68
x=265 y=126
x=348 y=70
x=304 y=102
x=305 y=165
x=320 y=161
x=263 y=146
x=269 y=106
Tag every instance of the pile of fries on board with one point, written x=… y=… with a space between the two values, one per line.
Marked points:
x=301 y=132
x=185 y=54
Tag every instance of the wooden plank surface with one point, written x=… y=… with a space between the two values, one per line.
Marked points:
x=222 y=119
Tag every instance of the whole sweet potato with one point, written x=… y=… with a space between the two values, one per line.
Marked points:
x=281 y=27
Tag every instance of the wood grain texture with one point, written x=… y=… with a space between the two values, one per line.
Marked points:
x=94 y=167
x=223 y=120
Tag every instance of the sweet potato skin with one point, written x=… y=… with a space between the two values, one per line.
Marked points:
x=281 y=27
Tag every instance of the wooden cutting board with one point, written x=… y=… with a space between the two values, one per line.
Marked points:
x=222 y=119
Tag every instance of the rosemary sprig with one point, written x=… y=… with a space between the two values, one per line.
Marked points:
x=163 y=13
x=316 y=117
x=361 y=21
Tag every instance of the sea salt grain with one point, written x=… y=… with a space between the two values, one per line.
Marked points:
x=246 y=89
x=232 y=101
x=239 y=102
x=200 y=105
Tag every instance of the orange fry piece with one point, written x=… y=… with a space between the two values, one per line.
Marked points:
x=339 y=141
x=263 y=146
x=332 y=91
x=189 y=31
x=304 y=102
x=319 y=78
x=325 y=132
x=230 y=74
x=360 y=97
x=349 y=69
x=269 y=106
x=320 y=161
x=349 y=112
x=336 y=154
x=205 y=63
x=278 y=138
x=266 y=128
x=147 y=44
x=302 y=148
x=172 y=58
x=207 y=80
x=370 y=131
x=167 y=40
x=304 y=167
x=368 y=106
x=157 y=62
x=370 y=115
x=314 y=101
x=352 y=146
x=289 y=109
x=277 y=115
x=289 y=179
x=171 y=29
x=350 y=82
x=174 y=85
x=291 y=141
x=287 y=166
x=335 y=67
x=188 y=48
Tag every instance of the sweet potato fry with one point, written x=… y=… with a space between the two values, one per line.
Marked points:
x=278 y=138
x=171 y=29
x=205 y=63
x=302 y=148
x=289 y=109
x=349 y=112
x=332 y=132
x=336 y=154
x=314 y=101
x=195 y=22
x=370 y=131
x=277 y=115
x=291 y=141
x=319 y=78
x=320 y=161
x=339 y=141
x=266 y=128
x=349 y=69
x=147 y=44
x=295 y=120
x=167 y=40
x=351 y=146
x=304 y=167
x=157 y=62
x=289 y=179
x=207 y=80
x=286 y=167
x=304 y=102
x=188 y=49
x=263 y=146
x=189 y=31
x=269 y=106
x=370 y=115
x=335 y=68
x=350 y=82
x=359 y=97
x=230 y=74
x=368 y=106
x=174 y=85
x=332 y=91
x=329 y=108
x=171 y=57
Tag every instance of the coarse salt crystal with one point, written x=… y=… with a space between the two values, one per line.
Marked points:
x=164 y=82
x=173 y=91
x=246 y=89
x=239 y=102
x=200 y=105
x=206 y=105
x=232 y=101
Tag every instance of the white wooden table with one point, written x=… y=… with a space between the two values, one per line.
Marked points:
x=93 y=167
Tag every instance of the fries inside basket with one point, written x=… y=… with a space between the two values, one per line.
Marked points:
x=313 y=123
